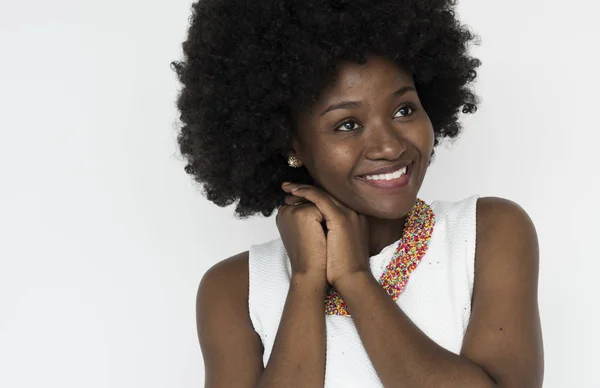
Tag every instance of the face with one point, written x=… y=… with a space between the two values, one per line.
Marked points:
x=370 y=119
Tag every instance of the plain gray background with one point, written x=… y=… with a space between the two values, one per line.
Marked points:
x=104 y=238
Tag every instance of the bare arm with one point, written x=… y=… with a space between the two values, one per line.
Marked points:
x=298 y=357
x=232 y=350
x=503 y=343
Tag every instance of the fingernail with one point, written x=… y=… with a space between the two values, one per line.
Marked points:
x=286 y=183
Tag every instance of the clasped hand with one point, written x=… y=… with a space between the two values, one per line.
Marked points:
x=322 y=236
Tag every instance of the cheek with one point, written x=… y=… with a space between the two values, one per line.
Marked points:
x=332 y=166
x=334 y=160
x=424 y=139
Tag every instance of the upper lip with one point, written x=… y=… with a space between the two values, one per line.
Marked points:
x=388 y=169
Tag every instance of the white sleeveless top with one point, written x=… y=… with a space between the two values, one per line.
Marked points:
x=437 y=297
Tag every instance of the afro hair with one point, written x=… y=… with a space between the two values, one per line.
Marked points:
x=247 y=64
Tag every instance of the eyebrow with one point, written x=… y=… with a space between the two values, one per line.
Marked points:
x=357 y=104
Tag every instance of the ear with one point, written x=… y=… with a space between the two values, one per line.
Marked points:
x=296 y=148
x=290 y=152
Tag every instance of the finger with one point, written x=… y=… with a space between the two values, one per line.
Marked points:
x=288 y=187
x=322 y=200
x=294 y=200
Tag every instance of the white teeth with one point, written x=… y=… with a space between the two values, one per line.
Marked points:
x=387 y=177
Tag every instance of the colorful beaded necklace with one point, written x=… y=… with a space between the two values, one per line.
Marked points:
x=418 y=228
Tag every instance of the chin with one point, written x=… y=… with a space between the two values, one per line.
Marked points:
x=390 y=210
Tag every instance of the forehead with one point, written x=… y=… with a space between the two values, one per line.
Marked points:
x=376 y=76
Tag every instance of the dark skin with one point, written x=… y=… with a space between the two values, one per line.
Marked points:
x=503 y=343
x=389 y=125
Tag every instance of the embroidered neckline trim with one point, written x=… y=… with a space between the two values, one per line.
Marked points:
x=418 y=229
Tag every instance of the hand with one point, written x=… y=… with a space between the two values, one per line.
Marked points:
x=304 y=239
x=346 y=235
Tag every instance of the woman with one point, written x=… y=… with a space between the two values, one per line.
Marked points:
x=329 y=112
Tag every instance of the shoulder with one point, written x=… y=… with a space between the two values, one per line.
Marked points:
x=502 y=220
x=504 y=332
x=222 y=300
x=224 y=325
x=506 y=243
x=222 y=295
x=233 y=266
x=227 y=279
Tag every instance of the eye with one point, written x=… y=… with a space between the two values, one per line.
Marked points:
x=404 y=108
x=347 y=126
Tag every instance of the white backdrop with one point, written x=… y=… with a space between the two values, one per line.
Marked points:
x=103 y=237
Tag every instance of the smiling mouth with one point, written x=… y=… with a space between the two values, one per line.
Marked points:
x=387 y=177
x=396 y=179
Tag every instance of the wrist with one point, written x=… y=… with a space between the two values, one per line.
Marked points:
x=309 y=281
x=352 y=280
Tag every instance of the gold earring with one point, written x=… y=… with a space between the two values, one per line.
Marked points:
x=294 y=161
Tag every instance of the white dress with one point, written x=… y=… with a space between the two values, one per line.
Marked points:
x=437 y=297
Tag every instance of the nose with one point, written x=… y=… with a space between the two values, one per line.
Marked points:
x=383 y=141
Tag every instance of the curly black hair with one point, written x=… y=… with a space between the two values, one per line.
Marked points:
x=247 y=64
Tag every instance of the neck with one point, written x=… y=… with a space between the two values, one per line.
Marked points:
x=384 y=232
